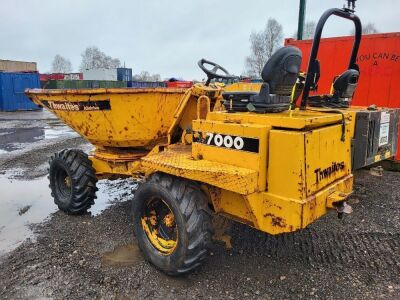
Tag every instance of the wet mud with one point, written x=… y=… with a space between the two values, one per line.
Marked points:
x=124 y=255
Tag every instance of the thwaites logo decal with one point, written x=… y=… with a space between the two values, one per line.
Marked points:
x=321 y=174
x=227 y=141
x=78 y=105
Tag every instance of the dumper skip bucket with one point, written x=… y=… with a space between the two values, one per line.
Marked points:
x=138 y=118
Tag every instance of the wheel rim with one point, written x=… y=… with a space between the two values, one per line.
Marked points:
x=63 y=185
x=158 y=222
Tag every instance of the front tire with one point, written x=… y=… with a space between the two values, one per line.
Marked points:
x=172 y=223
x=72 y=181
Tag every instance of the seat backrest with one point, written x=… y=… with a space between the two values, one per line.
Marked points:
x=282 y=69
x=345 y=85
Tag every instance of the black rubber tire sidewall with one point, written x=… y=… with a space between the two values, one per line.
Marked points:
x=76 y=164
x=55 y=165
x=166 y=263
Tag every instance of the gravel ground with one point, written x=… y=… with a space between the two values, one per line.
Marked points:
x=96 y=257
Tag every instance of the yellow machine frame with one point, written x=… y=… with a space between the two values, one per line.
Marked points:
x=275 y=190
x=299 y=165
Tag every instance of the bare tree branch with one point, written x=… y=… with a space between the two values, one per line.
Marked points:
x=93 y=58
x=308 y=30
x=367 y=29
x=61 y=65
x=262 y=45
x=145 y=76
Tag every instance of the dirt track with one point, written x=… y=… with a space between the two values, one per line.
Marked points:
x=354 y=258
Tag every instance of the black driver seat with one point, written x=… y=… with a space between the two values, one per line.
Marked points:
x=279 y=76
x=344 y=87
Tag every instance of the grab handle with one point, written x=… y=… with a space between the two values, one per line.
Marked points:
x=343 y=13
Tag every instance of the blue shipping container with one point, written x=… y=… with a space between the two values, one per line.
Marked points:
x=124 y=74
x=12 y=91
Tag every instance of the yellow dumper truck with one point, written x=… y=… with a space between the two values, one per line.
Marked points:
x=246 y=152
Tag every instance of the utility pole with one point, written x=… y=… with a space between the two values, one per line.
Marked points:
x=300 y=26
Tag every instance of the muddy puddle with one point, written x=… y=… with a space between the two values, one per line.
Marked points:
x=124 y=255
x=23 y=203
x=17 y=138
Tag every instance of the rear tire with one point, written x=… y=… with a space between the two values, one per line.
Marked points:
x=72 y=181
x=185 y=243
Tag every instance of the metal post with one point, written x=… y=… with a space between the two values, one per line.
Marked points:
x=300 y=26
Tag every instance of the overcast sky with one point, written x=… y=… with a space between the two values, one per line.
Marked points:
x=165 y=37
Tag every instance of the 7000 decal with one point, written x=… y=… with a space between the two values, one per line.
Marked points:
x=227 y=141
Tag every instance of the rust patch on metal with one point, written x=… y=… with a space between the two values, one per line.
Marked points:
x=302 y=187
x=160 y=134
x=268 y=204
x=203 y=109
x=214 y=196
x=312 y=205
x=312 y=202
x=276 y=221
x=233 y=121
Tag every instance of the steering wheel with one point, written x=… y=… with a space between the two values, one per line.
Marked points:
x=212 y=73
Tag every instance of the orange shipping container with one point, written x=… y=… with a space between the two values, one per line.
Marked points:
x=379 y=62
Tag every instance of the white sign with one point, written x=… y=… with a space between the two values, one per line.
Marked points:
x=71 y=77
x=385 y=117
x=384 y=129
x=384 y=134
